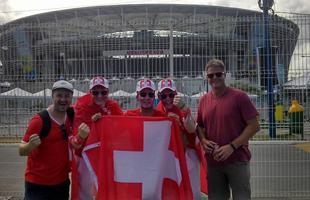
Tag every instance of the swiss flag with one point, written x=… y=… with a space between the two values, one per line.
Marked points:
x=138 y=158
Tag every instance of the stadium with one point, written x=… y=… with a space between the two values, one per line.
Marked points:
x=131 y=41
x=127 y=42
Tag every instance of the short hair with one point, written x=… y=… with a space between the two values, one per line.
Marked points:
x=215 y=63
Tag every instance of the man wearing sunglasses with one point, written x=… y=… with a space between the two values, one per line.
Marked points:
x=88 y=109
x=145 y=96
x=92 y=106
x=166 y=94
x=48 y=165
x=226 y=119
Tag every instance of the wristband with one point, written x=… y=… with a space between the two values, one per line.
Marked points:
x=77 y=140
x=233 y=146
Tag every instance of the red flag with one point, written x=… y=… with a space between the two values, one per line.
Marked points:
x=141 y=158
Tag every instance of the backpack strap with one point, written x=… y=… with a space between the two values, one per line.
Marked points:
x=46 y=123
x=46 y=120
x=70 y=114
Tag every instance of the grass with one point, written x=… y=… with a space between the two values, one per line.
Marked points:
x=265 y=125
x=9 y=140
x=265 y=137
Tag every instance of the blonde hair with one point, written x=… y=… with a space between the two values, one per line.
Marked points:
x=215 y=63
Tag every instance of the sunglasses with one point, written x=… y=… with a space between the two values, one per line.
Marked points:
x=96 y=93
x=64 y=132
x=217 y=74
x=170 y=95
x=143 y=94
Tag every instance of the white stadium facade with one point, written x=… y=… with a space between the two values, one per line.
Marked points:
x=142 y=40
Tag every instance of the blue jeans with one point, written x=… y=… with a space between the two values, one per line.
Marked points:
x=47 y=192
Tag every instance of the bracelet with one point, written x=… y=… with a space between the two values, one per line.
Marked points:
x=233 y=146
x=77 y=140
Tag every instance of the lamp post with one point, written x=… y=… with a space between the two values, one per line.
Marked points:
x=266 y=5
x=63 y=56
x=4 y=49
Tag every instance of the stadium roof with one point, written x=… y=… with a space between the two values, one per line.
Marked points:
x=118 y=20
x=135 y=9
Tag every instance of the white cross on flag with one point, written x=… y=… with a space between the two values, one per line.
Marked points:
x=140 y=158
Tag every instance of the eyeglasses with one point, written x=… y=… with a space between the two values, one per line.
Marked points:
x=143 y=94
x=217 y=74
x=64 y=132
x=170 y=95
x=96 y=93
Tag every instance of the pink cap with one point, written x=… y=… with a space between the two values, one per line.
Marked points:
x=99 y=81
x=166 y=84
x=145 y=83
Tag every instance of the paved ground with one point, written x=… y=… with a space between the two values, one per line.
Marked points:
x=280 y=170
x=11 y=171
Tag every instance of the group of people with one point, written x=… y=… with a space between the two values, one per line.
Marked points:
x=226 y=120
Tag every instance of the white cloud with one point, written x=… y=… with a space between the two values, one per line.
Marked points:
x=35 y=6
x=296 y=6
x=4 y=7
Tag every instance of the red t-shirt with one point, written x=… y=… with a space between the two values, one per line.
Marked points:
x=48 y=164
x=85 y=108
x=137 y=112
x=224 y=119
x=191 y=138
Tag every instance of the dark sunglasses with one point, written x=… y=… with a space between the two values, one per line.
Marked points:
x=96 y=93
x=217 y=74
x=170 y=95
x=64 y=132
x=143 y=94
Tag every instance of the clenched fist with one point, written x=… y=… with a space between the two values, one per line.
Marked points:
x=96 y=116
x=179 y=103
x=34 y=141
x=83 y=131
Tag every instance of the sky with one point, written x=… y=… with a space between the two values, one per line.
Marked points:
x=13 y=9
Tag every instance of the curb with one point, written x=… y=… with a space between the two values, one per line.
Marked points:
x=281 y=142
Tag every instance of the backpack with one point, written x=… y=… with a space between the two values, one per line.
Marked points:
x=46 y=119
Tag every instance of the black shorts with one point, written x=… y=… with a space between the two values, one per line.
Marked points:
x=47 y=192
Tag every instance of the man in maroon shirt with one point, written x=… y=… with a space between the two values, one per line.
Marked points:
x=226 y=119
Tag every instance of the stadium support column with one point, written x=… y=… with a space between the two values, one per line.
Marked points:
x=266 y=6
x=171 y=72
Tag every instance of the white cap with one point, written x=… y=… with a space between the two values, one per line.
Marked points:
x=62 y=84
x=166 y=84
x=99 y=81
x=145 y=83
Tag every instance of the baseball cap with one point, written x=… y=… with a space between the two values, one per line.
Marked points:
x=166 y=84
x=62 y=84
x=145 y=83
x=98 y=80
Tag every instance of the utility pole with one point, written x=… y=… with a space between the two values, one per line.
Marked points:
x=266 y=5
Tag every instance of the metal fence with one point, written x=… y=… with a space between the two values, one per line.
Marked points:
x=125 y=45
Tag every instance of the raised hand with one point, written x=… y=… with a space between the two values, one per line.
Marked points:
x=83 y=130
x=34 y=141
x=96 y=116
